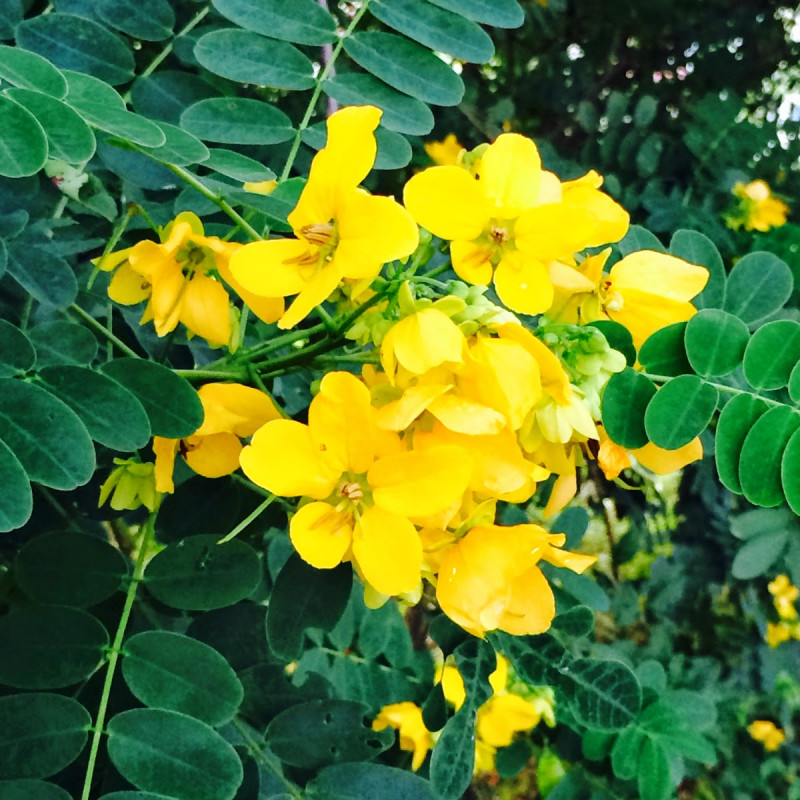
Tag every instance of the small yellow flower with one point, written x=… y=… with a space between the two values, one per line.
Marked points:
x=406 y=718
x=766 y=732
x=446 y=152
x=131 y=485
x=759 y=209
x=260 y=187
x=777 y=633
x=785 y=596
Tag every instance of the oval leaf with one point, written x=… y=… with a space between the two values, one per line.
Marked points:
x=758 y=285
x=715 y=342
x=624 y=404
x=23 y=144
x=31 y=71
x=16 y=351
x=604 y=695
x=151 y=20
x=39 y=271
x=696 y=248
x=237 y=120
x=735 y=422
x=790 y=472
x=235 y=165
x=29 y=789
x=16 y=499
x=772 y=354
x=180 y=147
x=664 y=352
x=375 y=781
x=59 y=342
x=680 y=411
x=304 y=22
x=499 y=13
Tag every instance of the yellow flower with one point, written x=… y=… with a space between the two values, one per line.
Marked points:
x=131 y=484
x=342 y=232
x=765 y=731
x=365 y=487
x=489 y=579
x=785 y=595
x=503 y=716
x=231 y=412
x=506 y=219
x=446 y=152
x=613 y=458
x=407 y=719
x=759 y=209
x=260 y=187
x=777 y=633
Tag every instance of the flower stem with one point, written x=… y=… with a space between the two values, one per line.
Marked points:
x=103 y=331
x=114 y=652
x=248 y=519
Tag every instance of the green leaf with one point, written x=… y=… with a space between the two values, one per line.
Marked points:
x=16 y=351
x=247 y=57
x=70 y=569
x=170 y=402
x=639 y=238
x=77 y=43
x=373 y=781
x=696 y=248
x=16 y=500
x=680 y=411
x=476 y=661
x=499 y=13
x=758 y=285
x=236 y=166
x=237 y=120
x=664 y=724
x=383 y=632
x=180 y=147
x=762 y=450
x=166 y=94
x=23 y=144
x=172 y=754
x=305 y=597
x=794 y=384
x=653 y=775
x=101 y=106
x=406 y=66
x=596 y=745
x=772 y=354
x=758 y=554
x=28 y=789
x=112 y=415
x=40 y=734
x=45 y=435
x=664 y=352
x=150 y=20
x=11 y=13
x=790 y=472
x=453 y=757
x=174 y=672
x=715 y=342
x=760 y=520
x=624 y=404
x=401 y=113
x=197 y=574
x=305 y=22
x=649 y=155
x=693 y=708
x=618 y=338
x=321 y=732
x=644 y=113
x=49 y=647
x=60 y=343
x=394 y=151
x=43 y=274
x=31 y=71
x=603 y=695
x=735 y=422
x=436 y=28
x=69 y=138
x=576 y=622
x=626 y=752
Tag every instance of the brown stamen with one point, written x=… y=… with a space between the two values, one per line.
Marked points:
x=350 y=491
x=499 y=235
x=318 y=234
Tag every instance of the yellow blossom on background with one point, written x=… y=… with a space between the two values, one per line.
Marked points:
x=777 y=633
x=766 y=732
x=406 y=718
x=446 y=152
x=759 y=209
x=785 y=596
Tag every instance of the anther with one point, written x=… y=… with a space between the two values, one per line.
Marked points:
x=318 y=234
x=499 y=235
x=352 y=491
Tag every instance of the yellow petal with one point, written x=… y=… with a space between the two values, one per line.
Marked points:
x=564 y=489
x=472 y=261
x=320 y=534
x=205 y=310
x=213 y=456
x=111 y=260
x=166 y=300
x=128 y=287
x=284 y=458
x=658 y=274
x=267 y=309
x=503 y=716
x=388 y=551
x=509 y=175
x=553 y=231
x=373 y=231
x=270 y=269
x=423 y=341
x=164 y=451
x=531 y=607
x=462 y=415
x=523 y=283
x=234 y=408
x=418 y=484
x=150 y=259
x=643 y=313
x=662 y=461
x=316 y=291
x=448 y=202
x=568 y=279
x=611 y=221
x=400 y=413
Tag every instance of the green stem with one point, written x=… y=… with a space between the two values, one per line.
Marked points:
x=248 y=519
x=113 y=656
x=321 y=78
x=116 y=233
x=284 y=340
x=103 y=331
x=720 y=387
x=212 y=374
x=154 y=64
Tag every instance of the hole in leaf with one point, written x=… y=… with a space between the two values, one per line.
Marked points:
x=328 y=718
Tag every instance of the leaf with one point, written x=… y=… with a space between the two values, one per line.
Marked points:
x=436 y=28
x=71 y=569
x=23 y=144
x=772 y=354
x=664 y=352
x=618 y=338
x=198 y=505
x=758 y=554
x=304 y=597
x=536 y=659
x=758 y=285
x=680 y=411
x=172 y=754
x=174 y=672
x=383 y=632
x=762 y=450
x=649 y=155
x=453 y=758
x=573 y=522
x=16 y=500
x=790 y=472
x=626 y=752
x=170 y=402
x=40 y=272
x=406 y=66
x=576 y=622
x=401 y=113
x=49 y=647
x=603 y=695
x=322 y=732
x=624 y=404
x=180 y=147
x=49 y=440
x=644 y=113
x=639 y=238
x=11 y=13
x=373 y=781
x=696 y=248
x=735 y=422
x=499 y=13
x=69 y=138
x=476 y=661
x=77 y=43
x=653 y=774
x=59 y=343
x=166 y=94
x=26 y=789
x=40 y=734
x=235 y=165
x=237 y=120
x=197 y=574
x=247 y=57
x=715 y=342
x=30 y=71
x=16 y=351
x=304 y=23
x=150 y=20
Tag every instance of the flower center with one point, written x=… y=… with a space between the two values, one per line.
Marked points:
x=350 y=491
x=499 y=235
x=319 y=234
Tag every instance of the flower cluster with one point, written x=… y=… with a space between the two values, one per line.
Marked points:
x=768 y=733
x=757 y=209
x=784 y=596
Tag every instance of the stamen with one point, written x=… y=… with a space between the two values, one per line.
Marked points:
x=318 y=234
x=351 y=491
x=498 y=234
